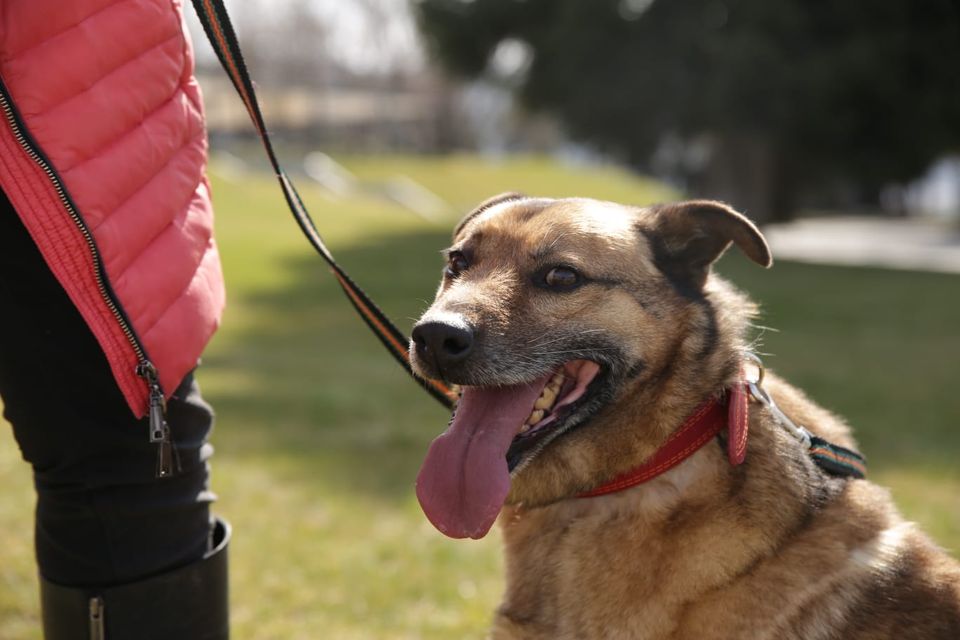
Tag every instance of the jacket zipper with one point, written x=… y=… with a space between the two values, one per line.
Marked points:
x=159 y=429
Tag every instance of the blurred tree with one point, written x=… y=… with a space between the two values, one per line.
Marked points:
x=790 y=97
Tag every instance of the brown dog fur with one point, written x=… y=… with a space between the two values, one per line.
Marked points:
x=773 y=548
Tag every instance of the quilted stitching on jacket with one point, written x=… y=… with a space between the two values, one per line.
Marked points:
x=105 y=87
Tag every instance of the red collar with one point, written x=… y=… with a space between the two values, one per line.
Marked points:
x=707 y=421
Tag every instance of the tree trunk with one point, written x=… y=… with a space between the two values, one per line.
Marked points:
x=748 y=172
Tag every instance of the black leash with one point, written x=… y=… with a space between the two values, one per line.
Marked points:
x=837 y=460
x=834 y=459
x=216 y=23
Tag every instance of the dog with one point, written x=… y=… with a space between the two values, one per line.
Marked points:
x=584 y=337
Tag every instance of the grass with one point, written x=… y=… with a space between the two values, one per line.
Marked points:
x=319 y=435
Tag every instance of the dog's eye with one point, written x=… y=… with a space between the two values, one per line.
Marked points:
x=561 y=278
x=456 y=263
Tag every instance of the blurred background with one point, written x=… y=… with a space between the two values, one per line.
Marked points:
x=836 y=126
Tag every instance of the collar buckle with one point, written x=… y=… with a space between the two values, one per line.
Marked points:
x=760 y=395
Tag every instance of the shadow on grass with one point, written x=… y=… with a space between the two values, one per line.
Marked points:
x=306 y=385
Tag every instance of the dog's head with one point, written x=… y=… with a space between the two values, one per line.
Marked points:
x=550 y=315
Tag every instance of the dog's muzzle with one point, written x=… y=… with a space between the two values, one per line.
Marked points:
x=443 y=342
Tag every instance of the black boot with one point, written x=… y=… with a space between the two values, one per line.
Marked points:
x=189 y=603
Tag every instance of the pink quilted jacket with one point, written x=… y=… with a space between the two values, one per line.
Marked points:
x=102 y=154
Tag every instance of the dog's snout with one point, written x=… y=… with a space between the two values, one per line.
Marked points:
x=443 y=342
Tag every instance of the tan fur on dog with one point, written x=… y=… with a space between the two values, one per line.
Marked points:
x=774 y=548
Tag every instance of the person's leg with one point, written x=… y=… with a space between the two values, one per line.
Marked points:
x=103 y=519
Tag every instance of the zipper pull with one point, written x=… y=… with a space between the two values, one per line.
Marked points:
x=159 y=429
x=165 y=454
x=96 y=618
x=158 y=419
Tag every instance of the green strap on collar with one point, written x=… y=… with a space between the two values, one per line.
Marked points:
x=837 y=460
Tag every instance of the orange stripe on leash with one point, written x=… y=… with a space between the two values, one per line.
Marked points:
x=395 y=345
x=836 y=457
x=234 y=71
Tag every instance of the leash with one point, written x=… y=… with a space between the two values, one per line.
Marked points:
x=832 y=458
x=732 y=412
x=216 y=24
x=707 y=422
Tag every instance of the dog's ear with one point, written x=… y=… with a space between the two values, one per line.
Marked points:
x=486 y=204
x=688 y=237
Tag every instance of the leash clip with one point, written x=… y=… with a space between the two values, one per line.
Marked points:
x=760 y=395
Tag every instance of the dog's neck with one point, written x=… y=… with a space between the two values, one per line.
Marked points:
x=696 y=365
x=640 y=533
x=704 y=498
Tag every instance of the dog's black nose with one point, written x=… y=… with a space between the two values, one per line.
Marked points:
x=442 y=342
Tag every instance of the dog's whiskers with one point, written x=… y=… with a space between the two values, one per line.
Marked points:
x=570 y=351
x=564 y=337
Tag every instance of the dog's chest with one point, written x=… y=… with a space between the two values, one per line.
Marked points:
x=695 y=570
x=588 y=572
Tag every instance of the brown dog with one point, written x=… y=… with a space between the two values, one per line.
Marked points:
x=584 y=334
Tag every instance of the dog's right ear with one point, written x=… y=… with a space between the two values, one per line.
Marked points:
x=486 y=204
x=687 y=237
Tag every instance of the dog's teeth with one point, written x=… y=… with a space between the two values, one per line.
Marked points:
x=525 y=428
x=535 y=417
x=546 y=399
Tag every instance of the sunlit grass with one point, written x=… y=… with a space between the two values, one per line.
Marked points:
x=319 y=435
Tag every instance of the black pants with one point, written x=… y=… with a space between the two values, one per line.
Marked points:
x=102 y=517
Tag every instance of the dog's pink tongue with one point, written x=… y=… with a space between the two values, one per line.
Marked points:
x=464 y=478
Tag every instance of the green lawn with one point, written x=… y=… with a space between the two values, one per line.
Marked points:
x=319 y=434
